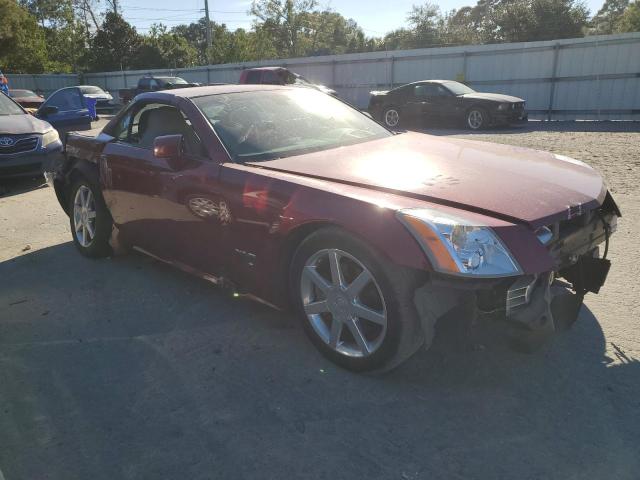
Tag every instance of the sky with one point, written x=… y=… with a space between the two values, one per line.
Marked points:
x=376 y=17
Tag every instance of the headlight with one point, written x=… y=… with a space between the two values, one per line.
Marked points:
x=50 y=137
x=504 y=106
x=457 y=246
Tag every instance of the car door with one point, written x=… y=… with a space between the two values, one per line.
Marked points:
x=170 y=208
x=417 y=101
x=442 y=102
x=66 y=110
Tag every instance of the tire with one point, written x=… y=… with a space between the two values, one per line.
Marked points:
x=476 y=118
x=86 y=200
x=396 y=333
x=391 y=116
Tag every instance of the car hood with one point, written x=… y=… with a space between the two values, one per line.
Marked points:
x=496 y=97
x=18 y=124
x=507 y=182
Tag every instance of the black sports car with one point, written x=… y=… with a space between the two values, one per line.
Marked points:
x=446 y=100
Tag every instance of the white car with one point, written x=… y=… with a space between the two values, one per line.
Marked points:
x=104 y=99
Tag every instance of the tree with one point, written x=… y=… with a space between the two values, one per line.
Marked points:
x=630 y=19
x=495 y=21
x=22 y=45
x=607 y=19
x=426 y=23
x=64 y=32
x=285 y=21
x=165 y=49
x=115 y=46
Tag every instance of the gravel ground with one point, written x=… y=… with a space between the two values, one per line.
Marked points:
x=126 y=369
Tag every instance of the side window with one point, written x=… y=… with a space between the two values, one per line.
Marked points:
x=144 y=83
x=67 y=99
x=403 y=93
x=253 y=77
x=122 y=128
x=141 y=126
x=441 y=91
x=270 y=77
x=421 y=91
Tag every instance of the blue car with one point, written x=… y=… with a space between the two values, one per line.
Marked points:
x=66 y=109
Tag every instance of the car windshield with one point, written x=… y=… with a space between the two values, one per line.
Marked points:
x=264 y=125
x=22 y=93
x=8 y=106
x=171 y=81
x=92 y=90
x=458 y=88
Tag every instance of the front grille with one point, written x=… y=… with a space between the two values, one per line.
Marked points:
x=20 y=145
x=520 y=292
x=518 y=106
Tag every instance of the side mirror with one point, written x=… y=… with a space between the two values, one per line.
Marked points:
x=169 y=147
x=47 y=110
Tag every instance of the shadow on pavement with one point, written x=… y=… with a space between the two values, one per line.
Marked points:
x=16 y=186
x=126 y=368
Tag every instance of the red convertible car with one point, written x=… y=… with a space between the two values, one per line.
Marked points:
x=293 y=197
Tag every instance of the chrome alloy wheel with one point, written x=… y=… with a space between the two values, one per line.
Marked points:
x=203 y=207
x=391 y=117
x=474 y=119
x=84 y=216
x=344 y=303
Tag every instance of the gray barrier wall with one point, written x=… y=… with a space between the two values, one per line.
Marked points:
x=592 y=78
x=43 y=84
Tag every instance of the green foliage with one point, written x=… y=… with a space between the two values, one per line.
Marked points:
x=608 y=17
x=168 y=50
x=286 y=21
x=22 y=44
x=531 y=20
x=630 y=19
x=67 y=35
x=115 y=46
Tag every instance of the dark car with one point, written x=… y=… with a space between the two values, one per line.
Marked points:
x=153 y=84
x=66 y=109
x=26 y=98
x=278 y=76
x=446 y=100
x=26 y=143
x=291 y=196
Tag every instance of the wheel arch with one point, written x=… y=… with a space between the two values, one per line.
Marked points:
x=300 y=233
x=477 y=106
x=78 y=168
x=290 y=245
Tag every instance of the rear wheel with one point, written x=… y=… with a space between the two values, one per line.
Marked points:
x=357 y=310
x=89 y=219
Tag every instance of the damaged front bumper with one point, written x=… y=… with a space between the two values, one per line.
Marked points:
x=536 y=306
x=532 y=306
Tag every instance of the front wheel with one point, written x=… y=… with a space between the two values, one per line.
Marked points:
x=89 y=219
x=391 y=117
x=477 y=118
x=356 y=309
